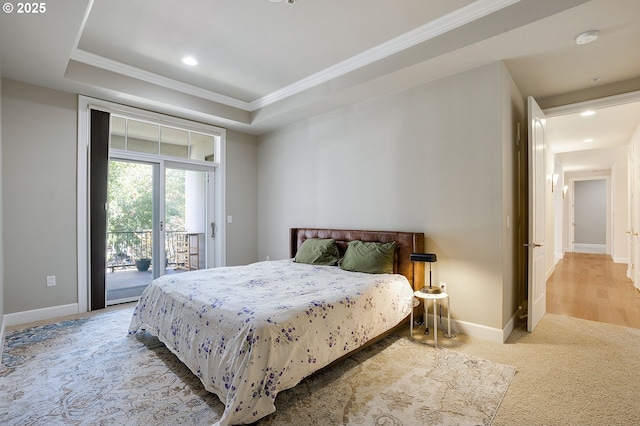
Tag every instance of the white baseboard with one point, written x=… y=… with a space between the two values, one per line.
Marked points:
x=550 y=272
x=590 y=248
x=511 y=324
x=557 y=257
x=25 y=317
x=620 y=260
x=481 y=331
x=471 y=329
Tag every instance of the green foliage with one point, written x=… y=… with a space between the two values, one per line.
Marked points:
x=130 y=206
x=175 y=200
x=129 y=198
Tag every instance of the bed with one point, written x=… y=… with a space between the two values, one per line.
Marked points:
x=249 y=332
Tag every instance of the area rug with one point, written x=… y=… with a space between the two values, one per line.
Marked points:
x=86 y=371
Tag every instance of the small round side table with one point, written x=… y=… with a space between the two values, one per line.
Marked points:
x=437 y=297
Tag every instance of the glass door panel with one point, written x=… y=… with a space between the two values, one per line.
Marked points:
x=185 y=219
x=157 y=223
x=130 y=234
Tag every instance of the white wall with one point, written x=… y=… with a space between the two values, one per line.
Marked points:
x=425 y=159
x=549 y=208
x=620 y=194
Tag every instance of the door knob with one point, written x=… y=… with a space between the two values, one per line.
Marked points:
x=533 y=245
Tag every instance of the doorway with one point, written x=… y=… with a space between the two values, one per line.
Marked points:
x=590 y=216
x=169 y=149
x=591 y=141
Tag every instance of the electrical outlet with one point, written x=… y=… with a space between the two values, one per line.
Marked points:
x=51 y=280
x=443 y=287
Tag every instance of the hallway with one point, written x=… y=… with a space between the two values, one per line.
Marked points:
x=592 y=287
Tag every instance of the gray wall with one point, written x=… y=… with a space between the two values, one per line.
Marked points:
x=39 y=196
x=39 y=141
x=590 y=211
x=429 y=159
x=242 y=198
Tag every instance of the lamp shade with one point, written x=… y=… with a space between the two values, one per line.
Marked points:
x=423 y=257
x=430 y=258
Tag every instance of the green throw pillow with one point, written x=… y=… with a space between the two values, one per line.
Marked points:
x=318 y=251
x=369 y=257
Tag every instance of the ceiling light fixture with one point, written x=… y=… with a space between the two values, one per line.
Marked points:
x=589 y=140
x=587 y=37
x=587 y=113
x=190 y=60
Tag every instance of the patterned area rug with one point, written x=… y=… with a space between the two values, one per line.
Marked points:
x=87 y=371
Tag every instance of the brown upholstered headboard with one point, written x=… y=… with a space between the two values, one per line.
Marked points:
x=407 y=242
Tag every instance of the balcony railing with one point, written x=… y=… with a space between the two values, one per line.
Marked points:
x=125 y=247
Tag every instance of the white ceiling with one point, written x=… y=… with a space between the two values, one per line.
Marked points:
x=263 y=64
x=593 y=142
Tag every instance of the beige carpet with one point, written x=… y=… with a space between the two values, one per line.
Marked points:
x=87 y=371
x=569 y=372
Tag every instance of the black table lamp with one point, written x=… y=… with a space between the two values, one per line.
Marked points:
x=426 y=257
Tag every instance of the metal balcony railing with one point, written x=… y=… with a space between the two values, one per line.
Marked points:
x=125 y=247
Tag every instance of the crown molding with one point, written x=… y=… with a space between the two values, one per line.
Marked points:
x=432 y=29
x=169 y=83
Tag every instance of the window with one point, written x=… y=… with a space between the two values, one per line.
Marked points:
x=134 y=135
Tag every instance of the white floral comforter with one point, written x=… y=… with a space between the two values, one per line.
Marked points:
x=251 y=331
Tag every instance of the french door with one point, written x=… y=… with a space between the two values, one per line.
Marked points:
x=159 y=221
x=168 y=207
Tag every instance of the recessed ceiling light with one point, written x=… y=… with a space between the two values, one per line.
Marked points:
x=587 y=113
x=588 y=140
x=587 y=37
x=189 y=60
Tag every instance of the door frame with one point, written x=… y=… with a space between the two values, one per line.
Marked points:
x=633 y=255
x=608 y=207
x=85 y=104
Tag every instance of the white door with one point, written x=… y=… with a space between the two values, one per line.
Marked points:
x=537 y=293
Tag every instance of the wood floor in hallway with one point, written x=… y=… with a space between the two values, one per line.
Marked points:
x=592 y=287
